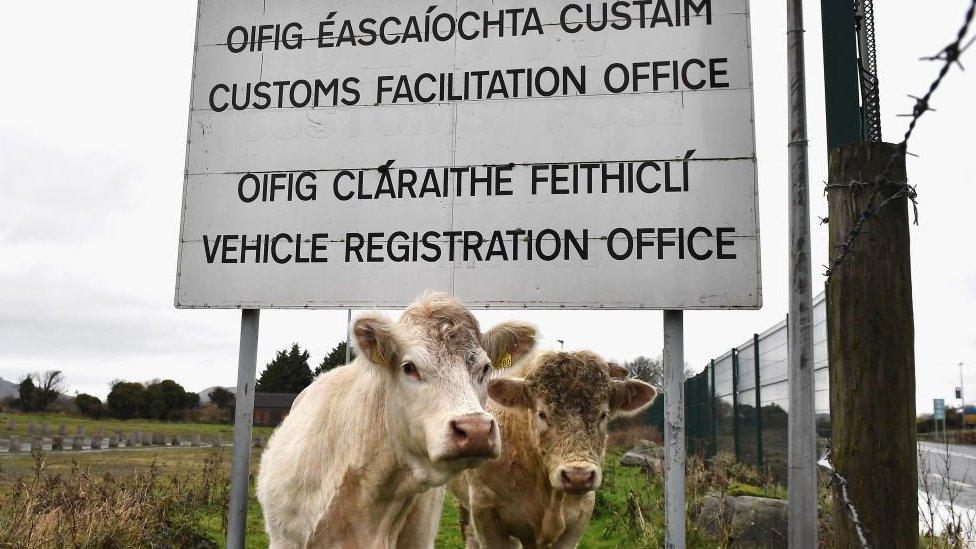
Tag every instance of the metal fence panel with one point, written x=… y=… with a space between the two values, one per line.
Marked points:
x=739 y=403
x=724 y=426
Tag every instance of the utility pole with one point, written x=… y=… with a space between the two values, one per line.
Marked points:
x=870 y=340
x=801 y=426
x=870 y=327
x=962 y=399
x=962 y=402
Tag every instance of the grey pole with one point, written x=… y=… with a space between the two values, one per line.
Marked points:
x=802 y=475
x=348 y=327
x=243 y=416
x=674 y=430
x=962 y=402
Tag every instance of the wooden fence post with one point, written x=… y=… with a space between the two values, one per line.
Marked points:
x=871 y=349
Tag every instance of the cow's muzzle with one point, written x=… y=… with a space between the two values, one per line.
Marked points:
x=472 y=436
x=578 y=478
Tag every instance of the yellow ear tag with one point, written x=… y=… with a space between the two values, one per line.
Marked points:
x=505 y=361
x=377 y=356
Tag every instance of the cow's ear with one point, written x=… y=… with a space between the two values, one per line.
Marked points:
x=511 y=392
x=617 y=371
x=631 y=396
x=509 y=341
x=375 y=338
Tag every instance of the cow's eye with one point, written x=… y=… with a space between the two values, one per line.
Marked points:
x=410 y=370
x=603 y=416
x=484 y=372
x=543 y=416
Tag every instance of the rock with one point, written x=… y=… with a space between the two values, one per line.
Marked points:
x=644 y=454
x=744 y=521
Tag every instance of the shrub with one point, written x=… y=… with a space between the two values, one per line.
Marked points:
x=127 y=400
x=89 y=406
x=79 y=509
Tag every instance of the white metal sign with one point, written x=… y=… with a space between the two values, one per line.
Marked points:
x=515 y=154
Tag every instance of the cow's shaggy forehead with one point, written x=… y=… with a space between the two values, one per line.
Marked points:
x=574 y=383
x=442 y=325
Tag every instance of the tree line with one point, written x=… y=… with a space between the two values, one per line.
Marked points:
x=288 y=372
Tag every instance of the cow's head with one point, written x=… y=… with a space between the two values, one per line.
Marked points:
x=435 y=364
x=569 y=398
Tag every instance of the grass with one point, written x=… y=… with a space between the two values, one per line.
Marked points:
x=449 y=535
x=117 y=463
x=109 y=425
x=628 y=513
x=76 y=507
x=161 y=497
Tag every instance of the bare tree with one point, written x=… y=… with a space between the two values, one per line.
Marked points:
x=51 y=381
x=646 y=369
x=37 y=391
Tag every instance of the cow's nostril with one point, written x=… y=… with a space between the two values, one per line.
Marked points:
x=472 y=435
x=457 y=431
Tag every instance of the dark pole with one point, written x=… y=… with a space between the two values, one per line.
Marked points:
x=735 y=404
x=841 y=89
x=711 y=369
x=759 y=423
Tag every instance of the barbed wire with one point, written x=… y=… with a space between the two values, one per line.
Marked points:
x=949 y=56
x=840 y=486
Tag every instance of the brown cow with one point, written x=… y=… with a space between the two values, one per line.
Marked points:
x=553 y=416
x=359 y=460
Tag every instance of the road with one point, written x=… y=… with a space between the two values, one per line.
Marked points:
x=946 y=484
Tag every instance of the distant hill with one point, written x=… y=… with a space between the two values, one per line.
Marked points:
x=8 y=389
x=205 y=394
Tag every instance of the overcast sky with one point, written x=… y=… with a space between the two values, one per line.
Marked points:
x=92 y=144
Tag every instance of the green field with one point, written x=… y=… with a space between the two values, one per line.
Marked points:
x=611 y=526
x=628 y=513
x=108 y=425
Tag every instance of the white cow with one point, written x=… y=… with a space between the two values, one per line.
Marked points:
x=357 y=461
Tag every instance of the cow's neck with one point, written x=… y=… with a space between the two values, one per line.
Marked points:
x=374 y=487
x=371 y=503
x=550 y=523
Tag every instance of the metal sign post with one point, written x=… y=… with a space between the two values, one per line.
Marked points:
x=348 y=327
x=674 y=429
x=243 y=417
x=802 y=477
